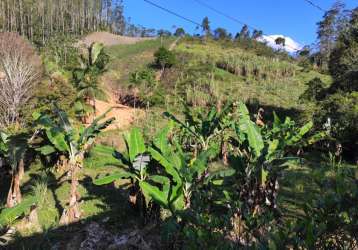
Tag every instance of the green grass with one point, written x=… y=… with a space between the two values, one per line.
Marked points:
x=125 y=59
x=97 y=202
x=282 y=88
x=125 y=50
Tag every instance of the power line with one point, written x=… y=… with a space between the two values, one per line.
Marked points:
x=238 y=21
x=315 y=5
x=215 y=10
x=221 y=13
x=173 y=13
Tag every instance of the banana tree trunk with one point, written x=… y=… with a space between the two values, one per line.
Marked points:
x=86 y=116
x=133 y=194
x=219 y=105
x=187 y=200
x=94 y=108
x=84 y=119
x=10 y=200
x=224 y=152
x=21 y=169
x=14 y=196
x=73 y=212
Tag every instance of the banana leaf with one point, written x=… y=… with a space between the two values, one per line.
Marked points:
x=220 y=174
x=135 y=144
x=96 y=49
x=154 y=193
x=113 y=177
x=46 y=150
x=161 y=139
x=9 y=215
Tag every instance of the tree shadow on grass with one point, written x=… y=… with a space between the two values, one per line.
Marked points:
x=113 y=200
x=254 y=106
x=298 y=187
x=117 y=216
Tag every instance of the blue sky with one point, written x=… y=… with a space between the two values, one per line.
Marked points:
x=294 y=18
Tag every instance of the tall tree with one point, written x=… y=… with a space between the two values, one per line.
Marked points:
x=256 y=34
x=244 y=33
x=280 y=41
x=221 y=33
x=118 y=23
x=337 y=106
x=40 y=19
x=179 y=32
x=164 y=33
x=328 y=30
x=206 y=26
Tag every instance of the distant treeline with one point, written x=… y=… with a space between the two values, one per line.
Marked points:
x=40 y=19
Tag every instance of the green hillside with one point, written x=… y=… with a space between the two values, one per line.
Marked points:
x=125 y=59
x=233 y=72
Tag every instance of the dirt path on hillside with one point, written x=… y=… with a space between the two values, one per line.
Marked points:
x=109 y=39
x=124 y=115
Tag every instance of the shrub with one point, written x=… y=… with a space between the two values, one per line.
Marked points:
x=342 y=111
x=61 y=51
x=340 y=104
x=146 y=77
x=164 y=58
x=330 y=219
x=23 y=68
x=57 y=90
x=315 y=90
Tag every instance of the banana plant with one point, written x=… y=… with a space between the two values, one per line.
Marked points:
x=92 y=62
x=178 y=173
x=72 y=142
x=135 y=163
x=258 y=163
x=199 y=130
x=172 y=185
x=12 y=150
x=258 y=147
x=182 y=175
x=286 y=135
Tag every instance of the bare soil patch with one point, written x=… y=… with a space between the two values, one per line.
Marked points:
x=108 y=39
x=124 y=115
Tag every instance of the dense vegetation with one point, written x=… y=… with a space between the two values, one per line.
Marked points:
x=234 y=145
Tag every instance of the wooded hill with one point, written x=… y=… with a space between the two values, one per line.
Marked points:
x=40 y=19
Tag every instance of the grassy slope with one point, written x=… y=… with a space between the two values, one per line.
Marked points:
x=125 y=59
x=279 y=92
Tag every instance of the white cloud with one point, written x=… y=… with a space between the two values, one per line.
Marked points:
x=291 y=46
